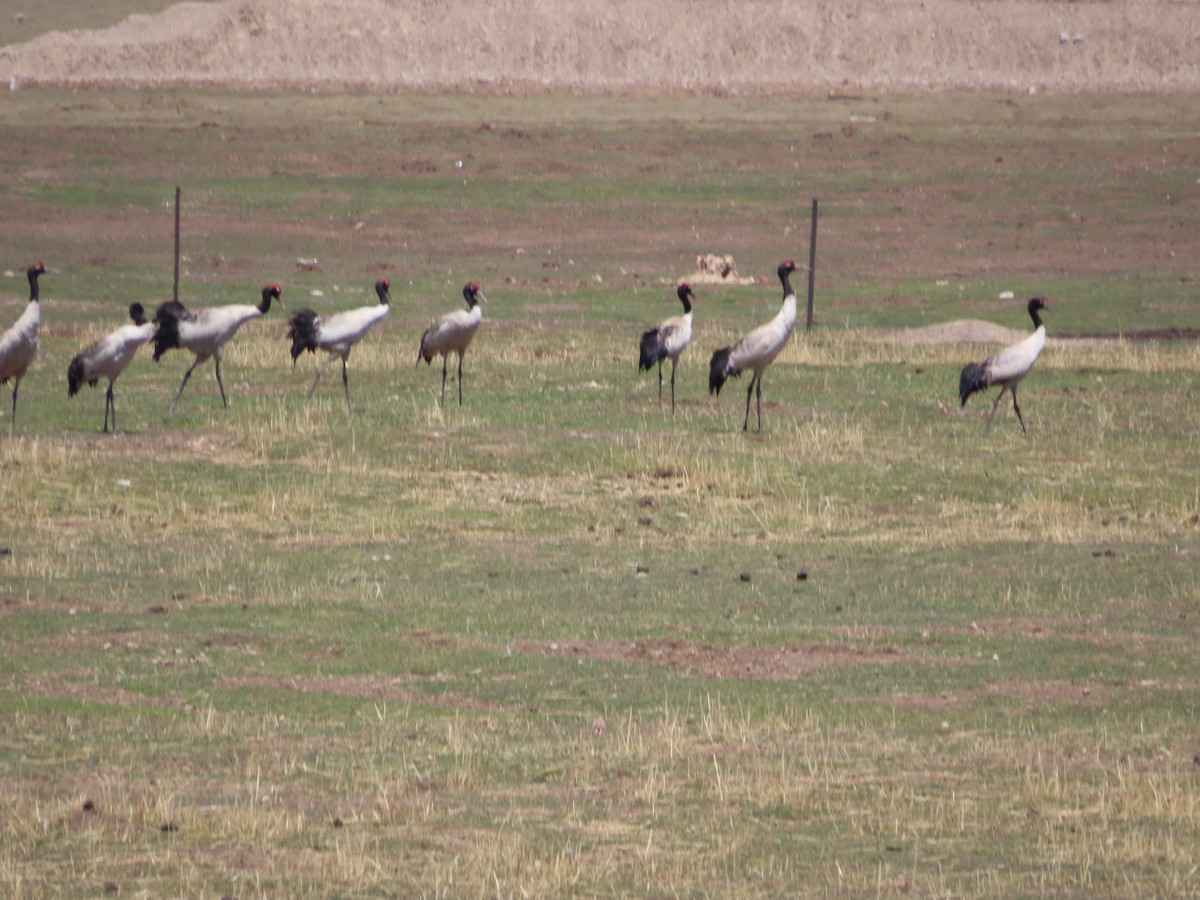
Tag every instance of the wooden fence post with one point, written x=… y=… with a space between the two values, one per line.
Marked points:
x=175 y=290
x=812 y=263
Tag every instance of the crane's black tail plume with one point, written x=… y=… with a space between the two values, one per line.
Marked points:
x=650 y=351
x=973 y=378
x=421 y=355
x=718 y=370
x=303 y=333
x=75 y=376
x=167 y=317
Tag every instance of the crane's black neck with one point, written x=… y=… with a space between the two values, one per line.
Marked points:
x=269 y=292
x=33 y=273
x=1035 y=308
x=469 y=296
x=785 y=273
x=685 y=294
x=137 y=312
x=381 y=288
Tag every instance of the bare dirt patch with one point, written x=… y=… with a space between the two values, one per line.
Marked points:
x=90 y=692
x=765 y=663
x=374 y=687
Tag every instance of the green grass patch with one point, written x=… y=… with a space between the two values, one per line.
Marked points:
x=555 y=640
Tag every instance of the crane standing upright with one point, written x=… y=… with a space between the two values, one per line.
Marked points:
x=758 y=349
x=19 y=345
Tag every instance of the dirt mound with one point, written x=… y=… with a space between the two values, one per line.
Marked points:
x=715 y=268
x=960 y=331
x=602 y=45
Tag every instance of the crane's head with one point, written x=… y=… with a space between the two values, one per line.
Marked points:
x=472 y=294
x=684 y=292
x=382 y=288
x=1036 y=305
x=33 y=272
x=270 y=292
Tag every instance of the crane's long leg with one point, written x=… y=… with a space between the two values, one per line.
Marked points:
x=460 y=356
x=749 y=392
x=320 y=369
x=217 y=357
x=1017 y=409
x=346 y=385
x=758 y=402
x=672 y=387
x=186 y=376
x=993 y=413
x=445 y=359
x=109 y=402
x=12 y=423
x=660 y=384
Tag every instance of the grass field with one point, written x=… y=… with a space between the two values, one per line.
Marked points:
x=556 y=641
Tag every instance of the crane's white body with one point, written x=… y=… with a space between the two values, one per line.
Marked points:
x=19 y=344
x=452 y=333
x=108 y=358
x=337 y=334
x=675 y=334
x=112 y=354
x=206 y=331
x=1006 y=367
x=1010 y=365
x=341 y=331
x=758 y=349
x=668 y=340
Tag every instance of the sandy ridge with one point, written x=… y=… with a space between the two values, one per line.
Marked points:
x=616 y=45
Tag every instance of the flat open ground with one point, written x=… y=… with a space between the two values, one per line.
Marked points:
x=557 y=641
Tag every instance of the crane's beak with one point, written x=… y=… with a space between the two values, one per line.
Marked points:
x=479 y=296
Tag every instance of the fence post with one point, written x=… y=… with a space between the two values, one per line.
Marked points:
x=175 y=290
x=812 y=263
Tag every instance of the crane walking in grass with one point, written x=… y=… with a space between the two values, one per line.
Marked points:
x=205 y=332
x=758 y=349
x=452 y=333
x=1007 y=367
x=337 y=334
x=667 y=340
x=18 y=345
x=108 y=357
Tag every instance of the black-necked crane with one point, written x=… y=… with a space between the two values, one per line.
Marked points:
x=337 y=334
x=667 y=340
x=108 y=357
x=204 y=332
x=452 y=333
x=18 y=345
x=1007 y=367
x=758 y=349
